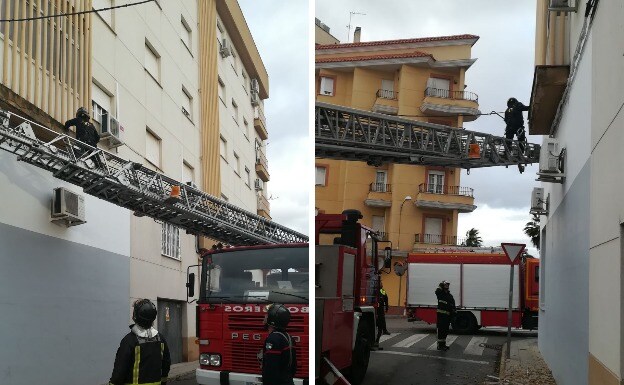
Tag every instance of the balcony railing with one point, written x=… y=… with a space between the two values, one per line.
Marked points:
x=437 y=239
x=387 y=94
x=447 y=190
x=259 y=114
x=379 y=187
x=447 y=94
x=383 y=235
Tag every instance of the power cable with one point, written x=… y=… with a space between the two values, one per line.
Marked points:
x=76 y=13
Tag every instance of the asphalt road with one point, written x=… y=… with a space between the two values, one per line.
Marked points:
x=409 y=356
x=188 y=379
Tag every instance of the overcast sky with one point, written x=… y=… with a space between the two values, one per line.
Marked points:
x=504 y=68
x=280 y=31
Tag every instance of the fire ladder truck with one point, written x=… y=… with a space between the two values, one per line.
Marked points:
x=345 y=133
x=132 y=186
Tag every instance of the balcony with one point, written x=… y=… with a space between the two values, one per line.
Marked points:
x=262 y=165
x=386 y=102
x=437 y=239
x=445 y=197
x=451 y=103
x=379 y=195
x=264 y=207
x=260 y=123
x=383 y=236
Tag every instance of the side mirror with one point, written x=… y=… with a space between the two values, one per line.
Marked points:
x=387 y=257
x=190 y=286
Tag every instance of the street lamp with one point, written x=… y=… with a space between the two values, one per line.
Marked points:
x=407 y=198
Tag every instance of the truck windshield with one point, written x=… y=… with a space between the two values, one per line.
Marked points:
x=257 y=276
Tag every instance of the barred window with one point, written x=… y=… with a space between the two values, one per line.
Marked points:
x=170 y=246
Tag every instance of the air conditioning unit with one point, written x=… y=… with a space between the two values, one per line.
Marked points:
x=255 y=98
x=259 y=185
x=255 y=87
x=552 y=161
x=562 y=5
x=225 y=50
x=538 y=202
x=67 y=208
x=111 y=131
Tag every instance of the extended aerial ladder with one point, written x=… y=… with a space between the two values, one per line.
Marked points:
x=131 y=185
x=349 y=134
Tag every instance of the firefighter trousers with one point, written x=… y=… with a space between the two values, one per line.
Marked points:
x=443 y=323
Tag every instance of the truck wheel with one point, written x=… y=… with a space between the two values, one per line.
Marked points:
x=361 y=355
x=464 y=323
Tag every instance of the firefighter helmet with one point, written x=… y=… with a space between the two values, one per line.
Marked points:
x=512 y=102
x=82 y=112
x=444 y=284
x=144 y=313
x=277 y=316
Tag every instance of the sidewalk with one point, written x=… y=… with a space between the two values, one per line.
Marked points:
x=525 y=365
x=181 y=369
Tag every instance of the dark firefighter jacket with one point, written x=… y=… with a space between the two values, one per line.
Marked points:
x=513 y=115
x=141 y=359
x=279 y=362
x=446 y=302
x=85 y=131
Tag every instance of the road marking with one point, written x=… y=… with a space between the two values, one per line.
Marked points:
x=428 y=356
x=409 y=341
x=386 y=337
x=449 y=341
x=473 y=347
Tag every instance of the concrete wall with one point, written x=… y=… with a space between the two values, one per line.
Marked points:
x=64 y=291
x=143 y=101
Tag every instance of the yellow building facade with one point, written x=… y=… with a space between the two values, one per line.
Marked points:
x=411 y=206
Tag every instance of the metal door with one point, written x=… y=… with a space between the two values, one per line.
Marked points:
x=170 y=326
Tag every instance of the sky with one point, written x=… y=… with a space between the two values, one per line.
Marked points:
x=504 y=68
x=280 y=29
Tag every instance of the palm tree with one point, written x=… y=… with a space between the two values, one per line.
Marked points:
x=532 y=230
x=473 y=239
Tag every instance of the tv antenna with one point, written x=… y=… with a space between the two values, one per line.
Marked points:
x=349 y=26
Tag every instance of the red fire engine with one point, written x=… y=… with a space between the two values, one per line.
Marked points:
x=480 y=285
x=235 y=287
x=347 y=286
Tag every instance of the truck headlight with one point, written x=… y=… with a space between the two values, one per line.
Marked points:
x=215 y=360
x=209 y=359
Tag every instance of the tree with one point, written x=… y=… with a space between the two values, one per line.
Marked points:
x=532 y=230
x=473 y=239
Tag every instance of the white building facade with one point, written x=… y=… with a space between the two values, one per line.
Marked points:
x=581 y=326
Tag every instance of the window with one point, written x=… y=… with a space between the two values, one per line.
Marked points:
x=186 y=34
x=152 y=148
x=244 y=81
x=188 y=172
x=235 y=111
x=438 y=87
x=107 y=16
x=100 y=107
x=221 y=90
x=152 y=61
x=223 y=148
x=435 y=182
x=237 y=164
x=187 y=104
x=433 y=230
x=327 y=86
x=381 y=177
x=321 y=176
x=387 y=89
x=248 y=175
x=170 y=241
x=234 y=60
x=246 y=128
x=379 y=223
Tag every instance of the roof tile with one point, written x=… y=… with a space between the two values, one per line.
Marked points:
x=373 y=57
x=401 y=41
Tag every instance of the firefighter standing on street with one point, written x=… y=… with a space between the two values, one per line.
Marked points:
x=143 y=354
x=445 y=313
x=382 y=308
x=515 y=124
x=279 y=359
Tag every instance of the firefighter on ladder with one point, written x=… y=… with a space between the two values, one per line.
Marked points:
x=85 y=132
x=445 y=313
x=515 y=124
x=143 y=355
x=278 y=357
